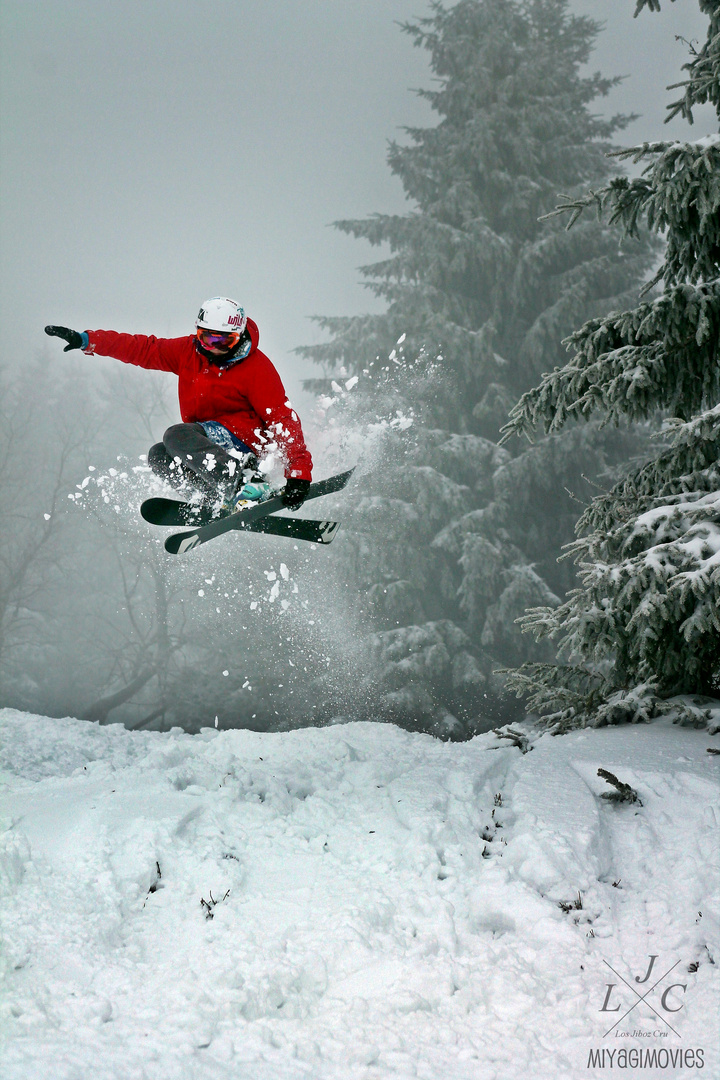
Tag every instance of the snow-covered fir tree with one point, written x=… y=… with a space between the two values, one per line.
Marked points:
x=641 y=634
x=456 y=537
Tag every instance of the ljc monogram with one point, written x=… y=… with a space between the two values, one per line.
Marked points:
x=643 y=997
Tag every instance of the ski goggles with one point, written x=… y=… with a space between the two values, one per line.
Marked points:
x=213 y=339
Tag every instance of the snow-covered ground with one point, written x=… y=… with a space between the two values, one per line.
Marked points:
x=386 y=905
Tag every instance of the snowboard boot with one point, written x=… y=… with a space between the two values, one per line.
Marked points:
x=245 y=487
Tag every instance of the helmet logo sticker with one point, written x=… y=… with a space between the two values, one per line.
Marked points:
x=221 y=315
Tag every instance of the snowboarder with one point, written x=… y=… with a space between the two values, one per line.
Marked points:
x=232 y=402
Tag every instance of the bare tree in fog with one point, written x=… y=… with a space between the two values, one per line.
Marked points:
x=140 y=642
x=41 y=439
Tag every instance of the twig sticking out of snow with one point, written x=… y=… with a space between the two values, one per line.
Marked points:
x=208 y=905
x=157 y=883
x=624 y=792
x=713 y=750
x=571 y=905
x=516 y=737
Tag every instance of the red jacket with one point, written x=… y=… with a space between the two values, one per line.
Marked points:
x=248 y=398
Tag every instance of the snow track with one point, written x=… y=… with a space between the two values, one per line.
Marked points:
x=383 y=904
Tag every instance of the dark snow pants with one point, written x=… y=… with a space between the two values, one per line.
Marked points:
x=187 y=455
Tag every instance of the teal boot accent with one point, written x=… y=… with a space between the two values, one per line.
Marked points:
x=256 y=492
x=253 y=492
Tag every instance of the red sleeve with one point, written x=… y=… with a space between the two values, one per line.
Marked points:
x=267 y=396
x=159 y=354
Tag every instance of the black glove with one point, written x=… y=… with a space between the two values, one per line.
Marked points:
x=295 y=493
x=74 y=340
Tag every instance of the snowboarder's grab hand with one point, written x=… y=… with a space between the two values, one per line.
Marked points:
x=232 y=402
x=295 y=493
x=74 y=340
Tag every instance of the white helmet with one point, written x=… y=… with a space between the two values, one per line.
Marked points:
x=221 y=315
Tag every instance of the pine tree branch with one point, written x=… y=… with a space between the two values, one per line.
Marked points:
x=621 y=364
x=623 y=793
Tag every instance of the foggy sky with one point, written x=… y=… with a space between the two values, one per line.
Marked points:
x=156 y=152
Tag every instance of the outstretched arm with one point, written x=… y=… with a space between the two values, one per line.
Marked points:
x=160 y=354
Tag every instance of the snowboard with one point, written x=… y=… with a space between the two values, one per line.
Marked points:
x=257 y=515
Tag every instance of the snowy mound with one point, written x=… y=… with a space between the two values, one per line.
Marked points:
x=355 y=901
